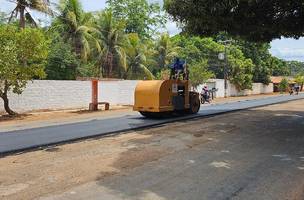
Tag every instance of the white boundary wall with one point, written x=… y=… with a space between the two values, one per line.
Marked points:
x=45 y=94
x=257 y=88
x=52 y=95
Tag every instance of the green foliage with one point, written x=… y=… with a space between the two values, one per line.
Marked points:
x=265 y=65
x=165 y=51
x=240 y=69
x=136 y=59
x=140 y=16
x=283 y=86
x=299 y=79
x=28 y=50
x=261 y=58
x=22 y=58
x=194 y=49
x=199 y=73
x=89 y=69
x=122 y=42
x=295 y=67
x=252 y=20
x=76 y=27
x=112 y=39
x=61 y=62
x=279 y=67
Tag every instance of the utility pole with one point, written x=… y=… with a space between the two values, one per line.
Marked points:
x=225 y=57
x=225 y=72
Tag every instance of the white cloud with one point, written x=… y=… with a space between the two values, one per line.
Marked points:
x=289 y=53
x=288 y=49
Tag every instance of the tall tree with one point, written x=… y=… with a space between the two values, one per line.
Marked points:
x=22 y=10
x=199 y=73
x=295 y=67
x=137 y=54
x=140 y=16
x=22 y=57
x=165 y=51
x=112 y=40
x=240 y=69
x=261 y=58
x=198 y=50
x=252 y=20
x=194 y=49
x=279 y=67
x=76 y=27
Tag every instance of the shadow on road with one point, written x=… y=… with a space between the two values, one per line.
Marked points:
x=263 y=149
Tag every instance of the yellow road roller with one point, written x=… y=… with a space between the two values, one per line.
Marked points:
x=158 y=98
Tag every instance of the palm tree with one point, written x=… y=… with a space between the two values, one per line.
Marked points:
x=76 y=27
x=165 y=50
x=112 y=40
x=299 y=79
x=137 y=58
x=22 y=11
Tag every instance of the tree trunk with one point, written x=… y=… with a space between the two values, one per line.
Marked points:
x=3 y=95
x=22 y=16
x=126 y=73
x=6 y=104
x=110 y=61
x=78 y=48
x=104 y=68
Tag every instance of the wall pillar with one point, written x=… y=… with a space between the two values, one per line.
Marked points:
x=94 y=103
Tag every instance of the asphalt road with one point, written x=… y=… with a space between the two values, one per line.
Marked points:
x=15 y=141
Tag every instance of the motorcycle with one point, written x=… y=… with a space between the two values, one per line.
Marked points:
x=205 y=97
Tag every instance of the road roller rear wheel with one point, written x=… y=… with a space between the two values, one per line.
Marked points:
x=195 y=103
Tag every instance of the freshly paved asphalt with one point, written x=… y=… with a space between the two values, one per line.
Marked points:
x=20 y=140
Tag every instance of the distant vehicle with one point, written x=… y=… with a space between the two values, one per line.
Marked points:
x=297 y=89
x=205 y=95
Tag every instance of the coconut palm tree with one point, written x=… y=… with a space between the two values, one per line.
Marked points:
x=137 y=54
x=22 y=10
x=112 y=41
x=165 y=50
x=76 y=27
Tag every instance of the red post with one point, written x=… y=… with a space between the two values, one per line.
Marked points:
x=94 y=104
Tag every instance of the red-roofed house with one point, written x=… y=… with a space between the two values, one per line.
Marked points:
x=276 y=80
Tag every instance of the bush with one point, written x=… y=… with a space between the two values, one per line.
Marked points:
x=283 y=86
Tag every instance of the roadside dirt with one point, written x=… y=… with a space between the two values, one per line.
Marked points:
x=56 y=169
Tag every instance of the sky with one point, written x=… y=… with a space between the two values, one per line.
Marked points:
x=288 y=49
